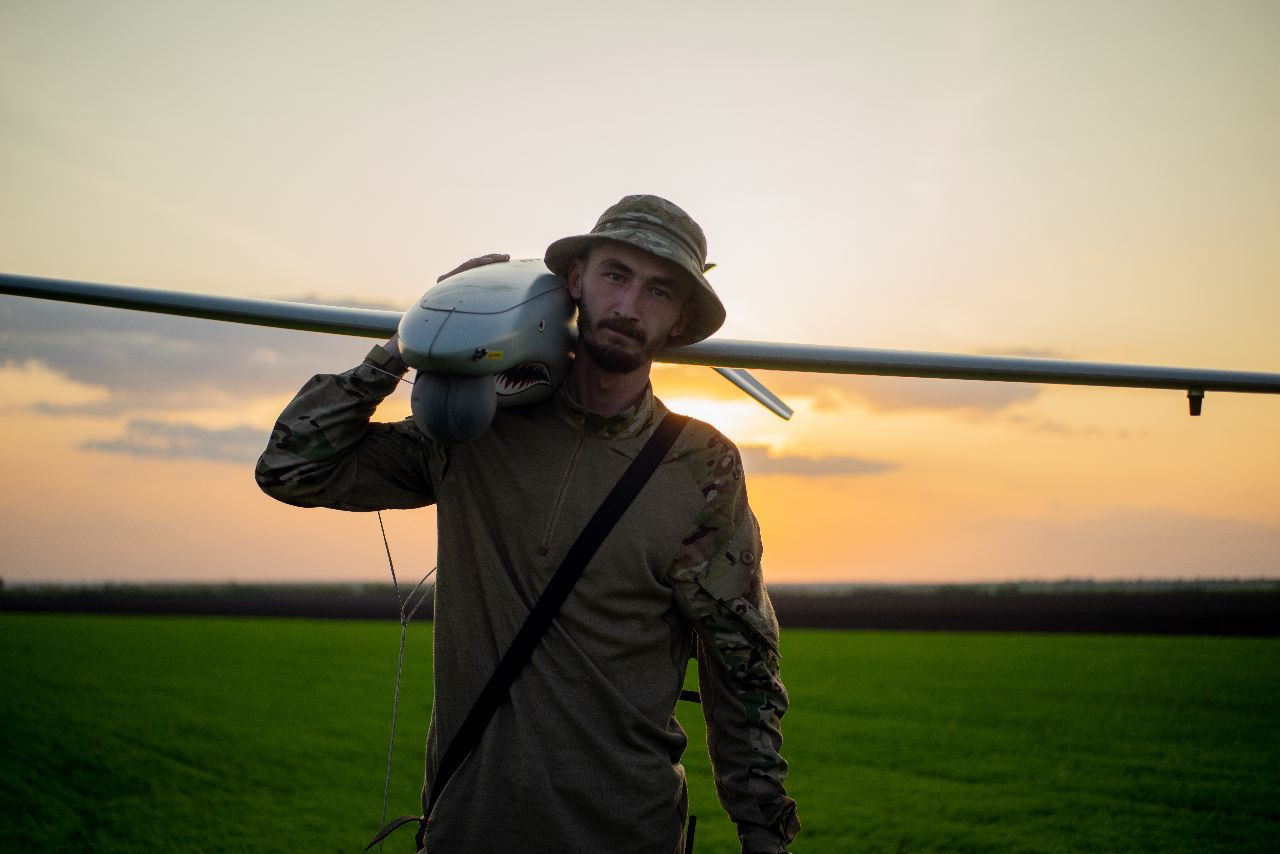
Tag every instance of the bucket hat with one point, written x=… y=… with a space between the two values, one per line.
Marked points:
x=660 y=228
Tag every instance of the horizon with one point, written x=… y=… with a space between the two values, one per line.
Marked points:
x=1014 y=585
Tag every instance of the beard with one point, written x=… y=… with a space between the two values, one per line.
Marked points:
x=611 y=357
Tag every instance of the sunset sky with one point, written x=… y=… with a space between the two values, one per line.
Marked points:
x=1080 y=180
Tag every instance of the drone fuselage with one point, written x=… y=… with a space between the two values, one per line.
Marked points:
x=497 y=335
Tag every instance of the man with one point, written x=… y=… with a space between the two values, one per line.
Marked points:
x=583 y=755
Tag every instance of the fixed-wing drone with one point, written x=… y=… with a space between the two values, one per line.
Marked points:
x=501 y=335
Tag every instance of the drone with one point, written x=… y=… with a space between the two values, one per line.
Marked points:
x=502 y=335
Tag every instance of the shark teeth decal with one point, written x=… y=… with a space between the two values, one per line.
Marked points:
x=522 y=377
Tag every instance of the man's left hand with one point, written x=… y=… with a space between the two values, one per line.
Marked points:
x=491 y=258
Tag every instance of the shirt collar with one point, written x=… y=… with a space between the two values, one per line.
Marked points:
x=628 y=423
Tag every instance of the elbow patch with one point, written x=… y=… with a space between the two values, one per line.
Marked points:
x=733 y=581
x=739 y=616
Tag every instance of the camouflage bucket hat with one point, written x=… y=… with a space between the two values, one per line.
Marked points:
x=660 y=228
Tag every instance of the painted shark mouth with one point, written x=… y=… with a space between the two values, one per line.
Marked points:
x=521 y=378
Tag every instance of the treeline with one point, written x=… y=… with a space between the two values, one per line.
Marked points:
x=1205 y=608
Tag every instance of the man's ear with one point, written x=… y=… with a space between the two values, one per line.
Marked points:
x=686 y=314
x=575 y=279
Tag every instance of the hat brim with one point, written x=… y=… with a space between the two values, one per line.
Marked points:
x=708 y=312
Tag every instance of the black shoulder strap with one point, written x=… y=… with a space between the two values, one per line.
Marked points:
x=546 y=608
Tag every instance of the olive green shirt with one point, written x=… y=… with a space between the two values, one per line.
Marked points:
x=585 y=754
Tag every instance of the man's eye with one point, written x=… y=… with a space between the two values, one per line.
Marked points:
x=613 y=277
x=661 y=293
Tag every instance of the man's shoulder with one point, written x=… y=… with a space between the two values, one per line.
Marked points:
x=697 y=434
x=710 y=457
x=709 y=554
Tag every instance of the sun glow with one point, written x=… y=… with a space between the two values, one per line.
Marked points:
x=745 y=422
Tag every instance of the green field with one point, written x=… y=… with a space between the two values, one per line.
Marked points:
x=212 y=734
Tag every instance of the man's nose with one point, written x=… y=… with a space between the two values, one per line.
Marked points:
x=628 y=302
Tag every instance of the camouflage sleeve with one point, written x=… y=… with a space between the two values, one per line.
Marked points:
x=325 y=452
x=718 y=586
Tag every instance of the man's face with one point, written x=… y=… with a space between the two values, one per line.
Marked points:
x=630 y=303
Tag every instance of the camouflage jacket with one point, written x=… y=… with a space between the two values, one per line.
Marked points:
x=585 y=755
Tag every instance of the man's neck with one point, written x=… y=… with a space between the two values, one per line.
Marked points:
x=605 y=392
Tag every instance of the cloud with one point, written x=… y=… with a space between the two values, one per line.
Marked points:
x=163 y=440
x=760 y=460
x=1037 y=424
x=148 y=362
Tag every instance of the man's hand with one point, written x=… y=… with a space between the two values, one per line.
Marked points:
x=491 y=258
x=393 y=344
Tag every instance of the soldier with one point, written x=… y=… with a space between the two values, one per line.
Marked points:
x=583 y=754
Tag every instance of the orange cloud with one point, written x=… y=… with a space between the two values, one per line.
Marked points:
x=761 y=460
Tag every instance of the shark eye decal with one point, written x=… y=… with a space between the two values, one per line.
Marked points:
x=522 y=377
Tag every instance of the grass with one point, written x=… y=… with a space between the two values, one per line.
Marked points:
x=1006 y=742
x=212 y=734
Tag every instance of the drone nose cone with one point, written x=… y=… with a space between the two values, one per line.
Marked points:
x=452 y=409
x=489 y=320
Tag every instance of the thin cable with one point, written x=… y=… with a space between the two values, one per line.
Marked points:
x=405 y=617
x=397 y=376
x=391 y=563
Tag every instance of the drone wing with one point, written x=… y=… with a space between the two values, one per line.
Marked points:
x=914 y=363
x=336 y=320
x=730 y=358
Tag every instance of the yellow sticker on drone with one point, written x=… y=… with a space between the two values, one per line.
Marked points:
x=493 y=355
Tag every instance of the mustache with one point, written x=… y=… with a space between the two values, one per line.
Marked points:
x=630 y=329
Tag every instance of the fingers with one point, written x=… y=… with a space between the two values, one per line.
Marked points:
x=491 y=258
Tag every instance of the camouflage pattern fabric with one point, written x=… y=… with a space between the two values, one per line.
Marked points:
x=329 y=420
x=718 y=586
x=688 y=556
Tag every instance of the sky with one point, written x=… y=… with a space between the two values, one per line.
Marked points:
x=1080 y=180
